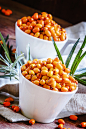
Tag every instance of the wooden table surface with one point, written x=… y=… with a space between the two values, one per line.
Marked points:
x=7 y=26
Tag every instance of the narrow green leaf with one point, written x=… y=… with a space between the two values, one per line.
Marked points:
x=18 y=58
x=71 y=53
x=80 y=75
x=5 y=47
x=78 y=56
x=6 y=38
x=57 y=51
x=77 y=63
x=81 y=81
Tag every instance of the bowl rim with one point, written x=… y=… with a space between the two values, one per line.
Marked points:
x=72 y=92
x=45 y=41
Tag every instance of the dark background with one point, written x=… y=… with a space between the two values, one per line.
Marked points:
x=73 y=11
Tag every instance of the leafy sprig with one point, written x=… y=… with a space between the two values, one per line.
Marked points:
x=9 y=68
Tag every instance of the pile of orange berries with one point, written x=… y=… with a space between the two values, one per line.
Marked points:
x=42 y=26
x=7 y=103
x=61 y=122
x=50 y=74
x=6 y=12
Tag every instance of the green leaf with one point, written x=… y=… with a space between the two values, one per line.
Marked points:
x=6 y=38
x=71 y=53
x=57 y=51
x=76 y=60
x=80 y=75
x=18 y=58
x=5 y=48
x=81 y=81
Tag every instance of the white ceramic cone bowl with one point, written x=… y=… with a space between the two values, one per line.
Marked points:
x=39 y=48
x=39 y=103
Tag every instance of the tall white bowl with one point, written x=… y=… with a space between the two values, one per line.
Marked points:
x=39 y=103
x=39 y=48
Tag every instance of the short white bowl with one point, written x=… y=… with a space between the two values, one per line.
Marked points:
x=39 y=103
x=39 y=48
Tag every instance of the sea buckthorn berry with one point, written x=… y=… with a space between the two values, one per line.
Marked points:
x=31 y=121
x=46 y=86
x=38 y=66
x=65 y=75
x=72 y=88
x=67 y=70
x=16 y=109
x=9 y=99
x=0 y=7
x=31 y=72
x=42 y=82
x=10 y=11
x=49 y=61
x=55 y=71
x=64 y=89
x=31 y=19
x=44 y=77
x=58 y=86
x=33 y=23
x=44 y=14
x=23 y=68
x=66 y=80
x=48 y=33
x=44 y=72
x=50 y=73
x=61 y=121
x=45 y=37
x=36 y=70
x=37 y=34
x=83 y=124
x=28 y=77
x=57 y=78
x=34 y=77
x=60 y=126
x=41 y=36
x=39 y=25
x=49 y=66
x=24 y=73
x=53 y=84
x=27 y=31
x=50 y=16
x=32 y=66
x=13 y=106
x=6 y=104
x=24 y=20
x=36 y=82
x=73 y=117
x=36 y=29
x=44 y=68
x=19 y=23
x=44 y=63
x=3 y=10
x=39 y=75
x=35 y=16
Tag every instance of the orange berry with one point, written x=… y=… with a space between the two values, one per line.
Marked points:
x=10 y=99
x=10 y=11
x=0 y=7
x=7 y=13
x=3 y=10
x=73 y=117
x=16 y=109
x=60 y=126
x=6 y=104
x=83 y=124
x=61 y=121
x=35 y=16
x=31 y=121
x=19 y=23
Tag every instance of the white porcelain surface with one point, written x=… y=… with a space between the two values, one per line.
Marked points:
x=39 y=48
x=39 y=103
